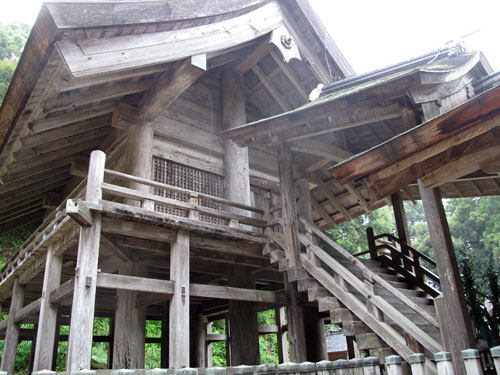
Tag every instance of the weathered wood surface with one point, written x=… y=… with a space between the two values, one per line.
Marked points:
x=130 y=319
x=243 y=322
x=168 y=87
x=48 y=313
x=288 y=207
x=12 y=335
x=82 y=317
x=179 y=303
x=127 y=213
x=183 y=191
x=85 y=15
x=382 y=329
x=366 y=271
x=132 y=51
x=463 y=123
x=451 y=310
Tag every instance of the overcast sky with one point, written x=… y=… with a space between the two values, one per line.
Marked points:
x=376 y=33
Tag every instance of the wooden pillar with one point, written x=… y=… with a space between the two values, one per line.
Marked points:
x=288 y=207
x=209 y=353
x=400 y=217
x=454 y=319
x=198 y=329
x=178 y=346
x=111 y=340
x=82 y=313
x=130 y=324
x=55 y=349
x=244 y=324
x=313 y=325
x=130 y=320
x=12 y=334
x=280 y=320
x=237 y=176
x=242 y=315
x=140 y=153
x=47 y=319
x=296 y=333
x=164 y=335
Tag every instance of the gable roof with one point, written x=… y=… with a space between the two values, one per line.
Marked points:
x=59 y=105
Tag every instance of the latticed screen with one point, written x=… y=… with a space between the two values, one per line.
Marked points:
x=175 y=174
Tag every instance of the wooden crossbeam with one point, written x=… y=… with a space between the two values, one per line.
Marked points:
x=77 y=209
x=58 y=121
x=75 y=99
x=470 y=120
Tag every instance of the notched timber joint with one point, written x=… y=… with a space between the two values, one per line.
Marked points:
x=79 y=212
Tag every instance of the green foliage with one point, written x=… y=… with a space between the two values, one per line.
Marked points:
x=351 y=235
x=219 y=348
x=13 y=37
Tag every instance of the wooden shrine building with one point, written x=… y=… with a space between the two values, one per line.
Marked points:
x=178 y=172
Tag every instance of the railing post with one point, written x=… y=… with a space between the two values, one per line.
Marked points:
x=495 y=354
x=82 y=311
x=393 y=365
x=371 y=366
x=371 y=243
x=194 y=199
x=417 y=363
x=472 y=362
x=444 y=363
x=324 y=367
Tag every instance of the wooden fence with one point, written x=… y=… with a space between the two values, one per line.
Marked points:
x=393 y=365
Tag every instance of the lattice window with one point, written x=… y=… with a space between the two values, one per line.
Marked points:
x=175 y=174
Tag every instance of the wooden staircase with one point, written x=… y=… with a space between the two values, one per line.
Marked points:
x=377 y=305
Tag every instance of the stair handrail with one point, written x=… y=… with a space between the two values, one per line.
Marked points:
x=410 y=257
x=372 y=299
x=367 y=273
x=405 y=245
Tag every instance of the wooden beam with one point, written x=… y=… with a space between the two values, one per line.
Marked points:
x=168 y=87
x=323 y=213
x=62 y=292
x=465 y=164
x=58 y=121
x=323 y=150
x=335 y=202
x=135 y=284
x=76 y=99
x=470 y=120
x=79 y=212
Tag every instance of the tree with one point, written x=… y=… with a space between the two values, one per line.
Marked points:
x=13 y=37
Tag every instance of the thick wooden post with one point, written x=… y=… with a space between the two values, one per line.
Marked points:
x=12 y=334
x=296 y=333
x=140 y=155
x=130 y=324
x=454 y=320
x=280 y=320
x=82 y=313
x=243 y=317
x=164 y=334
x=244 y=324
x=47 y=319
x=288 y=207
x=313 y=325
x=235 y=158
x=178 y=346
x=130 y=320
x=400 y=217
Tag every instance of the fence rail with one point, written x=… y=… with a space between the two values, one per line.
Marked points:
x=393 y=365
x=406 y=260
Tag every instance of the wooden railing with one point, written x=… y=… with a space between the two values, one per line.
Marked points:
x=403 y=258
x=231 y=214
x=374 y=305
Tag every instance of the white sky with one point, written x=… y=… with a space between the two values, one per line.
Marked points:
x=375 y=33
